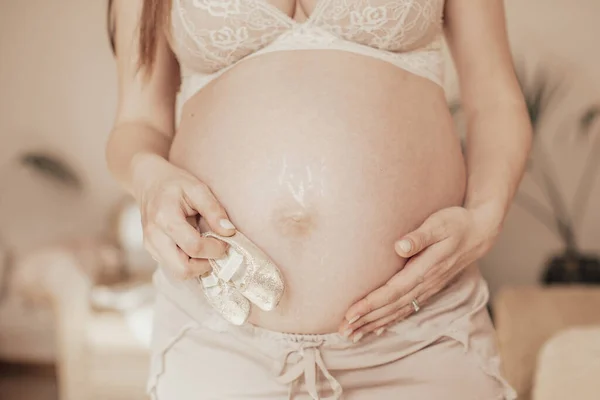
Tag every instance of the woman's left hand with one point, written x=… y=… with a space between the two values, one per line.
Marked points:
x=447 y=242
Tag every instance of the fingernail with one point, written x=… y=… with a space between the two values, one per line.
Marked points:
x=225 y=223
x=357 y=337
x=379 y=331
x=353 y=319
x=347 y=333
x=405 y=245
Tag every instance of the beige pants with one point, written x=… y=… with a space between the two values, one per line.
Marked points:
x=445 y=351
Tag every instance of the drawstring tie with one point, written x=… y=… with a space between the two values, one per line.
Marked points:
x=304 y=361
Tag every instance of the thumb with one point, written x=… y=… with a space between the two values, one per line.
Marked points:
x=419 y=239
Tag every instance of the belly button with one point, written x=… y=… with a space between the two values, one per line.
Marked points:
x=294 y=223
x=297 y=216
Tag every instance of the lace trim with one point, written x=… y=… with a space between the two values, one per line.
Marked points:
x=426 y=62
x=235 y=29
x=210 y=35
x=396 y=25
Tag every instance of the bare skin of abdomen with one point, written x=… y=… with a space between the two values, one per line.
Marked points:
x=323 y=159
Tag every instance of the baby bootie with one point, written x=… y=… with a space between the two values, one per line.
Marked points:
x=249 y=270
x=225 y=298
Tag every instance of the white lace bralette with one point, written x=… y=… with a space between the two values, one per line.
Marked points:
x=211 y=36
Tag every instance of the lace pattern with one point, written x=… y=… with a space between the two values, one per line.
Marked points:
x=426 y=62
x=391 y=25
x=210 y=36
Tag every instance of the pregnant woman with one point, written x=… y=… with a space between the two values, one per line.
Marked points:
x=308 y=144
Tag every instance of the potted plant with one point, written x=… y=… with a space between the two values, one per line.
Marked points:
x=571 y=264
x=51 y=168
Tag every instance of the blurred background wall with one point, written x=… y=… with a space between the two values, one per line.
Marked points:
x=57 y=95
x=556 y=40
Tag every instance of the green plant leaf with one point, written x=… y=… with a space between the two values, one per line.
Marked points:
x=52 y=168
x=539 y=94
x=454 y=106
x=588 y=119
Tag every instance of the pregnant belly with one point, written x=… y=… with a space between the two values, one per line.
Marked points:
x=323 y=159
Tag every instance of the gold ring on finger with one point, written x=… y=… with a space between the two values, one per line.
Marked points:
x=415 y=305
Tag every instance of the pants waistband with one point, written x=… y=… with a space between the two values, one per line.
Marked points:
x=301 y=357
x=467 y=295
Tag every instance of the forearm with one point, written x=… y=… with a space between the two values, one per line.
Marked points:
x=129 y=145
x=498 y=144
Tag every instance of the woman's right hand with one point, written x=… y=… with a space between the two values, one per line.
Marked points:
x=168 y=196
